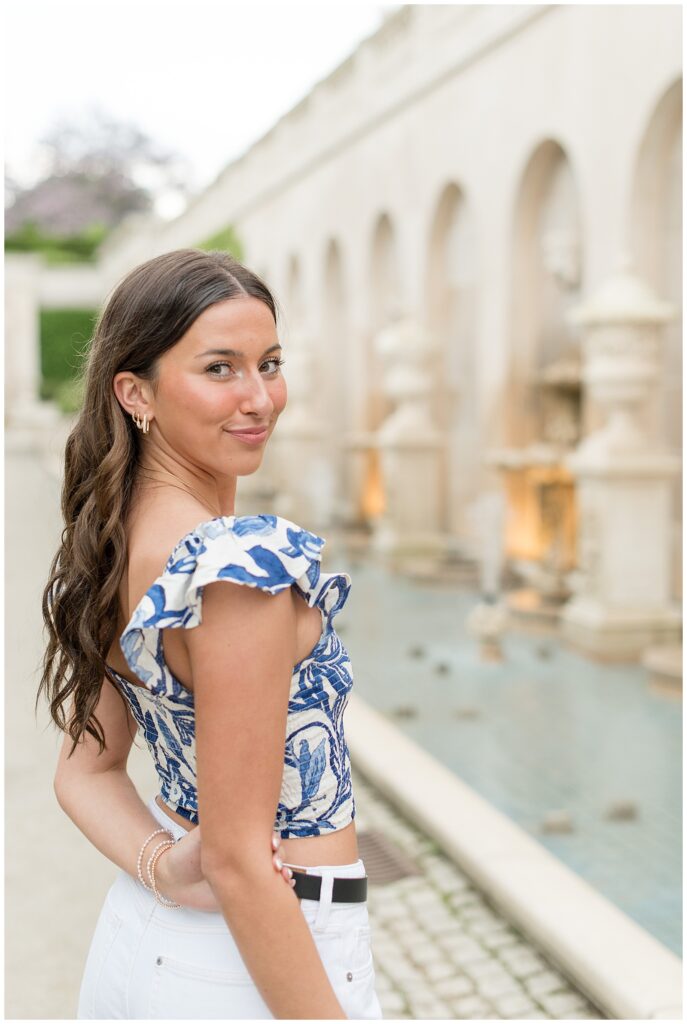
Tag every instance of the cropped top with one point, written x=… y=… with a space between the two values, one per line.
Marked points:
x=271 y=553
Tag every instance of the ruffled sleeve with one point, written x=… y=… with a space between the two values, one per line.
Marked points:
x=264 y=551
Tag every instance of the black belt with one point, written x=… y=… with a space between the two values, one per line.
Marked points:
x=344 y=890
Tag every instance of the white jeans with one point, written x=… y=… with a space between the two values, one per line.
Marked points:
x=147 y=961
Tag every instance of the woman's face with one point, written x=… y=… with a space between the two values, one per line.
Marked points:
x=223 y=376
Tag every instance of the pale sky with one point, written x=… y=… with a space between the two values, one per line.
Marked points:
x=205 y=77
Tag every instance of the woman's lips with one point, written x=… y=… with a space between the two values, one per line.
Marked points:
x=249 y=438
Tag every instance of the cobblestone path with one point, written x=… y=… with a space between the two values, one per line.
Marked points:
x=441 y=951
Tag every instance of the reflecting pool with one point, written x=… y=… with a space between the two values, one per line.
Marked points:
x=547 y=730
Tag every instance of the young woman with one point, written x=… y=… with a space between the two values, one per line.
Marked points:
x=212 y=634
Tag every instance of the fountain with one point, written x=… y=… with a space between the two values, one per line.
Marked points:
x=403 y=456
x=624 y=476
x=540 y=534
x=487 y=620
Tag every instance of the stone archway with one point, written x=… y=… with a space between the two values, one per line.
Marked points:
x=385 y=306
x=294 y=296
x=546 y=249
x=543 y=416
x=335 y=366
x=655 y=230
x=451 y=307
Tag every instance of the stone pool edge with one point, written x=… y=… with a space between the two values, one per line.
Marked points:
x=615 y=962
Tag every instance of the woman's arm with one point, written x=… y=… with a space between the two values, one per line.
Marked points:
x=96 y=792
x=242 y=657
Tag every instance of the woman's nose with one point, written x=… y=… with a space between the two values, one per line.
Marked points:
x=256 y=395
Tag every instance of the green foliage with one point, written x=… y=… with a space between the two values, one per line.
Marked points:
x=69 y=395
x=226 y=240
x=65 y=334
x=80 y=248
x=48 y=389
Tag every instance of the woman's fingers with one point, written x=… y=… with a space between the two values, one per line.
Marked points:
x=277 y=860
x=280 y=866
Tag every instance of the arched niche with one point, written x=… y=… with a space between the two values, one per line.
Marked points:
x=543 y=409
x=385 y=305
x=385 y=298
x=450 y=296
x=334 y=371
x=295 y=308
x=656 y=241
x=546 y=276
x=333 y=336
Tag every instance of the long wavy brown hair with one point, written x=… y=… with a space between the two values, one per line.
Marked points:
x=146 y=314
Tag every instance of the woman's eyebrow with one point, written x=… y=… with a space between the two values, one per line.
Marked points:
x=233 y=352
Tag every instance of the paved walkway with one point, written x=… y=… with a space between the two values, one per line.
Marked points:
x=441 y=952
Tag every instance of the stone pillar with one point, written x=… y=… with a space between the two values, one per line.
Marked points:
x=622 y=586
x=26 y=417
x=295 y=461
x=409 y=446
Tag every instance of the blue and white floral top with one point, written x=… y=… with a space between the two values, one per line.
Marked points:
x=272 y=553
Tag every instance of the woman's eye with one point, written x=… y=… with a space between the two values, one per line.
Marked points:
x=276 y=363
x=212 y=370
x=271 y=366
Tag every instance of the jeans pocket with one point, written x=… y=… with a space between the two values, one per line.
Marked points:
x=355 y=983
x=96 y=1000
x=346 y=954
x=361 y=957
x=184 y=990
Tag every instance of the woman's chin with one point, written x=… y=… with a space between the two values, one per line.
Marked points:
x=249 y=464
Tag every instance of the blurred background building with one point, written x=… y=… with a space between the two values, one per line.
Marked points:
x=473 y=226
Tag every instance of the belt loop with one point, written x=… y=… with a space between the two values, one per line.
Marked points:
x=325 y=901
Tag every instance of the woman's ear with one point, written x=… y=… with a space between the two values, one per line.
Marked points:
x=133 y=393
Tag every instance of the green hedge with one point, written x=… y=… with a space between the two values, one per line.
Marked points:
x=65 y=335
x=81 y=248
x=226 y=240
x=69 y=395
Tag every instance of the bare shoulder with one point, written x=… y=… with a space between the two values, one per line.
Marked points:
x=153 y=531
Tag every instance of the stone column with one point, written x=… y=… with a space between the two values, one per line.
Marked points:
x=295 y=461
x=409 y=445
x=26 y=417
x=622 y=586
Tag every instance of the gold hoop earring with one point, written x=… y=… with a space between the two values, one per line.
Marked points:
x=142 y=424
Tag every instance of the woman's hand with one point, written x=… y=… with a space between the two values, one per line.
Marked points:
x=278 y=860
x=178 y=875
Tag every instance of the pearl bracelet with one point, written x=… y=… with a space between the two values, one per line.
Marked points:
x=165 y=843
x=140 y=856
x=156 y=854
